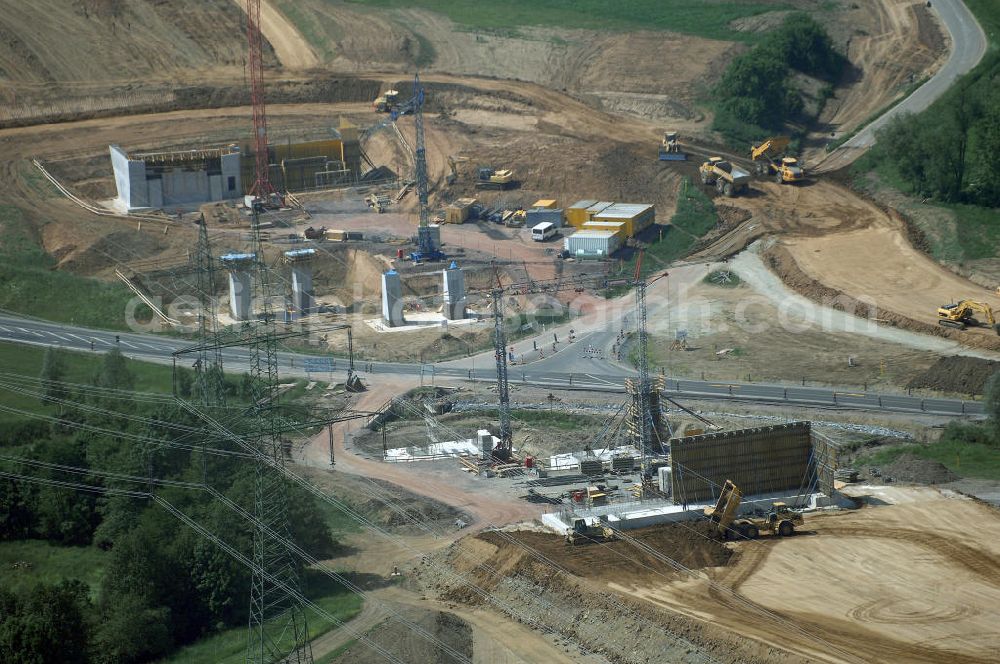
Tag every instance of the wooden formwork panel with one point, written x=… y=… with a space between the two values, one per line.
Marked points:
x=761 y=460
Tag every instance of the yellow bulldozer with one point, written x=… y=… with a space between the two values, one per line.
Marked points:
x=779 y=520
x=962 y=314
x=586 y=533
x=766 y=159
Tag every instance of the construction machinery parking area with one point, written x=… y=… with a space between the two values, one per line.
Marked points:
x=475 y=246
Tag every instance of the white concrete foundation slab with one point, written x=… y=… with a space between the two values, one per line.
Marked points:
x=423 y=320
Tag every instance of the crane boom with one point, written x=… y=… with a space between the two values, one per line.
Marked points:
x=262 y=186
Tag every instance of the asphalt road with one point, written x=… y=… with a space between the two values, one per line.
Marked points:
x=968 y=42
x=592 y=374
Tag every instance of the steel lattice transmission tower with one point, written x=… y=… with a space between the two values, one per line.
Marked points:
x=211 y=381
x=277 y=630
x=645 y=397
x=645 y=416
x=262 y=186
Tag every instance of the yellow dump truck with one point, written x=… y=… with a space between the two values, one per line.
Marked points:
x=769 y=161
x=729 y=179
x=779 y=520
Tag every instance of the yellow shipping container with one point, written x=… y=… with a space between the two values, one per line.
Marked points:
x=576 y=214
x=547 y=203
x=620 y=228
x=638 y=216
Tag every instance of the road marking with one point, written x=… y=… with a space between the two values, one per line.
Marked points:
x=125 y=343
x=609 y=382
x=77 y=336
x=5 y=329
x=59 y=336
x=37 y=334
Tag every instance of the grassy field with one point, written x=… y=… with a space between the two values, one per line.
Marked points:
x=30 y=285
x=962 y=458
x=705 y=18
x=80 y=368
x=49 y=563
x=229 y=647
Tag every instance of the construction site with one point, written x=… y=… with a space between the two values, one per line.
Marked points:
x=566 y=375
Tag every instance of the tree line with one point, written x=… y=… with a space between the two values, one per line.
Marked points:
x=164 y=585
x=756 y=96
x=951 y=151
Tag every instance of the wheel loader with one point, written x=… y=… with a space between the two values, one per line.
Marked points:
x=962 y=314
x=784 y=169
x=779 y=520
x=729 y=179
x=584 y=533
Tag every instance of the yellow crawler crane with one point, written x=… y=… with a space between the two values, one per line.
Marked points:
x=786 y=170
x=779 y=520
x=962 y=314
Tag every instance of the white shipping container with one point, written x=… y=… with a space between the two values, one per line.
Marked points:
x=592 y=243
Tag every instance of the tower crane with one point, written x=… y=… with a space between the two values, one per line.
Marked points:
x=427 y=241
x=262 y=187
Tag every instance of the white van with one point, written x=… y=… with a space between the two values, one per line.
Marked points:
x=543 y=231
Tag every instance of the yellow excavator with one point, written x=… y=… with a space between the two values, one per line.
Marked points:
x=962 y=314
x=780 y=520
x=767 y=162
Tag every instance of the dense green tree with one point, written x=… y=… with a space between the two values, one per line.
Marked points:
x=63 y=515
x=114 y=372
x=47 y=626
x=54 y=373
x=17 y=518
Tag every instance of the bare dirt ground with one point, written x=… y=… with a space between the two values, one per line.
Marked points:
x=904 y=583
x=292 y=51
x=892 y=44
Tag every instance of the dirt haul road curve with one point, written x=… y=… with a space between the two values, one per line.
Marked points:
x=968 y=45
x=292 y=49
x=897 y=583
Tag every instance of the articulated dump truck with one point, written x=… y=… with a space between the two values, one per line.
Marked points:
x=728 y=178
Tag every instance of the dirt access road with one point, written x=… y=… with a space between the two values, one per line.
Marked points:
x=968 y=46
x=291 y=48
x=908 y=582
x=487 y=505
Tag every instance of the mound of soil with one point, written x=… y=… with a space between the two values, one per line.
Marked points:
x=619 y=561
x=964 y=375
x=910 y=468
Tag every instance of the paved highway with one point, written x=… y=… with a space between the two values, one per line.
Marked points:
x=591 y=374
x=968 y=46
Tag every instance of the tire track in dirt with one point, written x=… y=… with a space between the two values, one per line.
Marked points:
x=976 y=561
